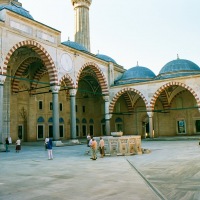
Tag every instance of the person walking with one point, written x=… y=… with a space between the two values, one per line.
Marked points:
x=101 y=147
x=49 y=148
x=94 y=149
x=18 y=145
x=7 y=143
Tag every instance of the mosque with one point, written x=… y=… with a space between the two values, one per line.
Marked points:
x=60 y=89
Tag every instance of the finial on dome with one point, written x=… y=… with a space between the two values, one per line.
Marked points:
x=68 y=38
x=97 y=51
x=137 y=63
x=177 y=56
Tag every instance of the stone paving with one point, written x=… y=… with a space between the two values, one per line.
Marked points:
x=171 y=171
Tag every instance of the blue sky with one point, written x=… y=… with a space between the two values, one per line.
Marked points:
x=150 y=32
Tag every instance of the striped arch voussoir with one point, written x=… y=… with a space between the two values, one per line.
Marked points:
x=67 y=80
x=121 y=92
x=100 y=76
x=162 y=88
x=41 y=51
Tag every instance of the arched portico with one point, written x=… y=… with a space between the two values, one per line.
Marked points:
x=130 y=105
x=27 y=62
x=43 y=55
x=175 y=109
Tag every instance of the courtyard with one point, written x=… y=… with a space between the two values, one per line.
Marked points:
x=171 y=171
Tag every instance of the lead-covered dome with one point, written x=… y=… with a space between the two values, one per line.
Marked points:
x=177 y=68
x=136 y=74
x=17 y=8
x=106 y=58
x=74 y=45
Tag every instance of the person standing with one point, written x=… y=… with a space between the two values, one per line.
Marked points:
x=7 y=143
x=46 y=142
x=18 y=145
x=94 y=149
x=101 y=147
x=88 y=139
x=49 y=148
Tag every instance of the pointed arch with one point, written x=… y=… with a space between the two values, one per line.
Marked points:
x=167 y=85
x=121 y=92
x=67 y=80
x=100 y=76
x=43 y=54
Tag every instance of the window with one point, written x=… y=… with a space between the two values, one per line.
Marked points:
x=40 y=105
x=40 y=132
x=84 y=130
x=61 y=130
x=181 y=126
x=83 y=109
x=197 y=125
x=118 y=124
x=77 y=130
x=51 y=131
x=91 y=127
x=61 y=106
x=51 y=106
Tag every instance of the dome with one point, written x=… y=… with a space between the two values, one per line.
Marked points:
x=74 y=45
x=17 y=9
x=177 y=68
x=106 y=58
x=136 y=74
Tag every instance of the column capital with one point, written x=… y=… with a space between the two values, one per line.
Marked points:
x=2 y=79
x=106 y=98
x=81 y=3
x=150 y=114
x=55 y=88
x=72 y=92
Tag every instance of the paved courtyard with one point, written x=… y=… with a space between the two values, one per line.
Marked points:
x=171 y=171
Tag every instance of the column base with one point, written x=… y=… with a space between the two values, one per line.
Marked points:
x=57 y=143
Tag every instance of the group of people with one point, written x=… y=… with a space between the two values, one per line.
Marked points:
x=92 y=143
x=18 y=144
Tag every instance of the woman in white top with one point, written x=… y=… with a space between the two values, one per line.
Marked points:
x=18 y=145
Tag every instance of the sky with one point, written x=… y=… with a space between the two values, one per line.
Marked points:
x=148 y=32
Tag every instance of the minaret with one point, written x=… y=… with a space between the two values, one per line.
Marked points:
x=82 y=29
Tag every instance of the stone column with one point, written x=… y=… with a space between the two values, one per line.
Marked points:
x=72 y=93
x=150 y=114
x=2 y=79
x=55 y=89
x=107 y=115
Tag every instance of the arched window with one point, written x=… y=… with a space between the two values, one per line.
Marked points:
x=40 y=128
x=40 y=119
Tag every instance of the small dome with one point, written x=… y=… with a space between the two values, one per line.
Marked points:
x=74 y=45
x=136 y=74
x=177 y=68
x=106 y=58
x=17 y=9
